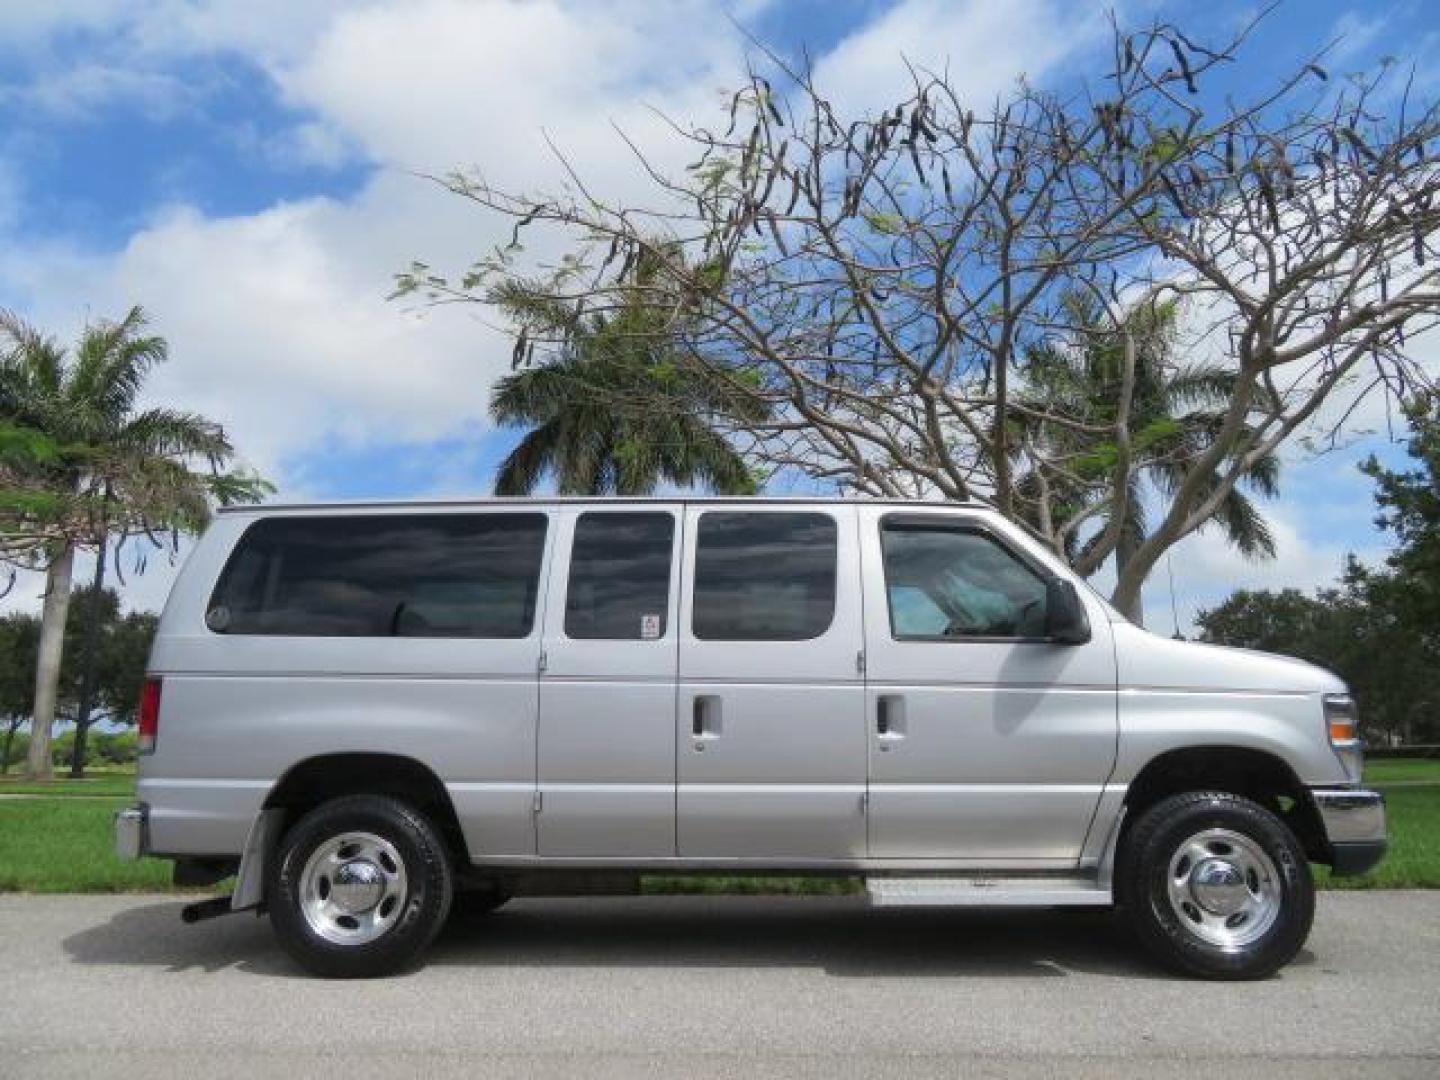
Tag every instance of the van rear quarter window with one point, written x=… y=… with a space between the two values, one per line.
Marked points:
x=400 y=575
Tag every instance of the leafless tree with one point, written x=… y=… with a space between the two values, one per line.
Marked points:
x=881 y=282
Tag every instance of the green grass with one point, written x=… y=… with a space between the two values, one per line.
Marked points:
x=59 y=843
x=1389 y=770
x=114 y=782
x=730 y=885
x=66 y=845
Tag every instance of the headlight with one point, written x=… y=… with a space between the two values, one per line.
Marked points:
x=1342 y=720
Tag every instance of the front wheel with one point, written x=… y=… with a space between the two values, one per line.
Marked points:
x=361 y=886
x=1217 y=886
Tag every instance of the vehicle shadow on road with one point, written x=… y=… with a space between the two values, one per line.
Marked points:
x=152 y=935
x=843 y=937
x=840 y=936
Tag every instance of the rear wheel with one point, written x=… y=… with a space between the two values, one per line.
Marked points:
x=1217 y=886
x=361 y=886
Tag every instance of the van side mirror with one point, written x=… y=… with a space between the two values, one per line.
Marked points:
x=1065 y=621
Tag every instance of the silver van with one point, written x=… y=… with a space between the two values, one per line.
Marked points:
x=368 y=713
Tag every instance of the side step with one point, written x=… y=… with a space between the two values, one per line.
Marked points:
x=986 y=892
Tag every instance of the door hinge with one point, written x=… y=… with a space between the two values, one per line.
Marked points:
x=860 y=662
x=864 y=802
x=538 y=802
x=542 y=663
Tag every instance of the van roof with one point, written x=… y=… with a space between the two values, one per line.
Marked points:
x=521 y=500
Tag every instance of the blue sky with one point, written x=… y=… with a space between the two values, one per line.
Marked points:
x=245 y=169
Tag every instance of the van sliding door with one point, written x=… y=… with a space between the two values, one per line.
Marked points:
x=770 y=731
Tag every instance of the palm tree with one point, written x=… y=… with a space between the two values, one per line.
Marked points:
x=1175 y=413
x=619 y=408
x=118 y=469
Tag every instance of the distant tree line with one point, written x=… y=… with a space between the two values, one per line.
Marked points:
x=1378 y=628
x=122 y=644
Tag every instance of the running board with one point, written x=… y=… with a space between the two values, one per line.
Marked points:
x=986 y=892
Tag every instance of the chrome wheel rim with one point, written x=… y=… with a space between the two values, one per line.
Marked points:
x=1224 y=888
x=353 y=888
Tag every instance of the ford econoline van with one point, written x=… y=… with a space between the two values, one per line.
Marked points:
x=368 y=713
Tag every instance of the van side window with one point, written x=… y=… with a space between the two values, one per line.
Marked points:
x=619 y=576
x=764 y=577
x=383 y=575
x=946 y=582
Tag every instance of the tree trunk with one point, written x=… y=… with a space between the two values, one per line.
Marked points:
x=1130 y=576
x=47 y=664
x=11 y=726
x=1132 y=602
x=89 y=663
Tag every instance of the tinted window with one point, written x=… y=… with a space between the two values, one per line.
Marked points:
x=957 y=583
x=619 y=576
x=764 y=577
x=411 y=575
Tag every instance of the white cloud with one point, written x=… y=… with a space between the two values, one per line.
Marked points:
x=308 y=144
x=984 y=46
x=277 y=320
x=433 y=85
x=267 y=31
x=1206 y=570
x=1207 y=565
x=76 y=92
x=297 y=148
x=144 y=32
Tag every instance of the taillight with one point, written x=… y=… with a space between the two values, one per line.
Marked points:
x=148 y=728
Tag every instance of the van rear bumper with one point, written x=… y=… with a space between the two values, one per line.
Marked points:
x=1355 y=827
x=132 y=832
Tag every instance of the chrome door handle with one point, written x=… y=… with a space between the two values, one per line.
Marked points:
x=889 y=719
x=705 y=716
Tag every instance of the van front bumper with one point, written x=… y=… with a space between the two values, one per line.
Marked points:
x=1354 y=822
x=132 y=832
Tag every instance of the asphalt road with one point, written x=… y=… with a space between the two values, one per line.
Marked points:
x=707 y=987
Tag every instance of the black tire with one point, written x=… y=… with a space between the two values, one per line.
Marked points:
x=422 y=909
x=1175 y=935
